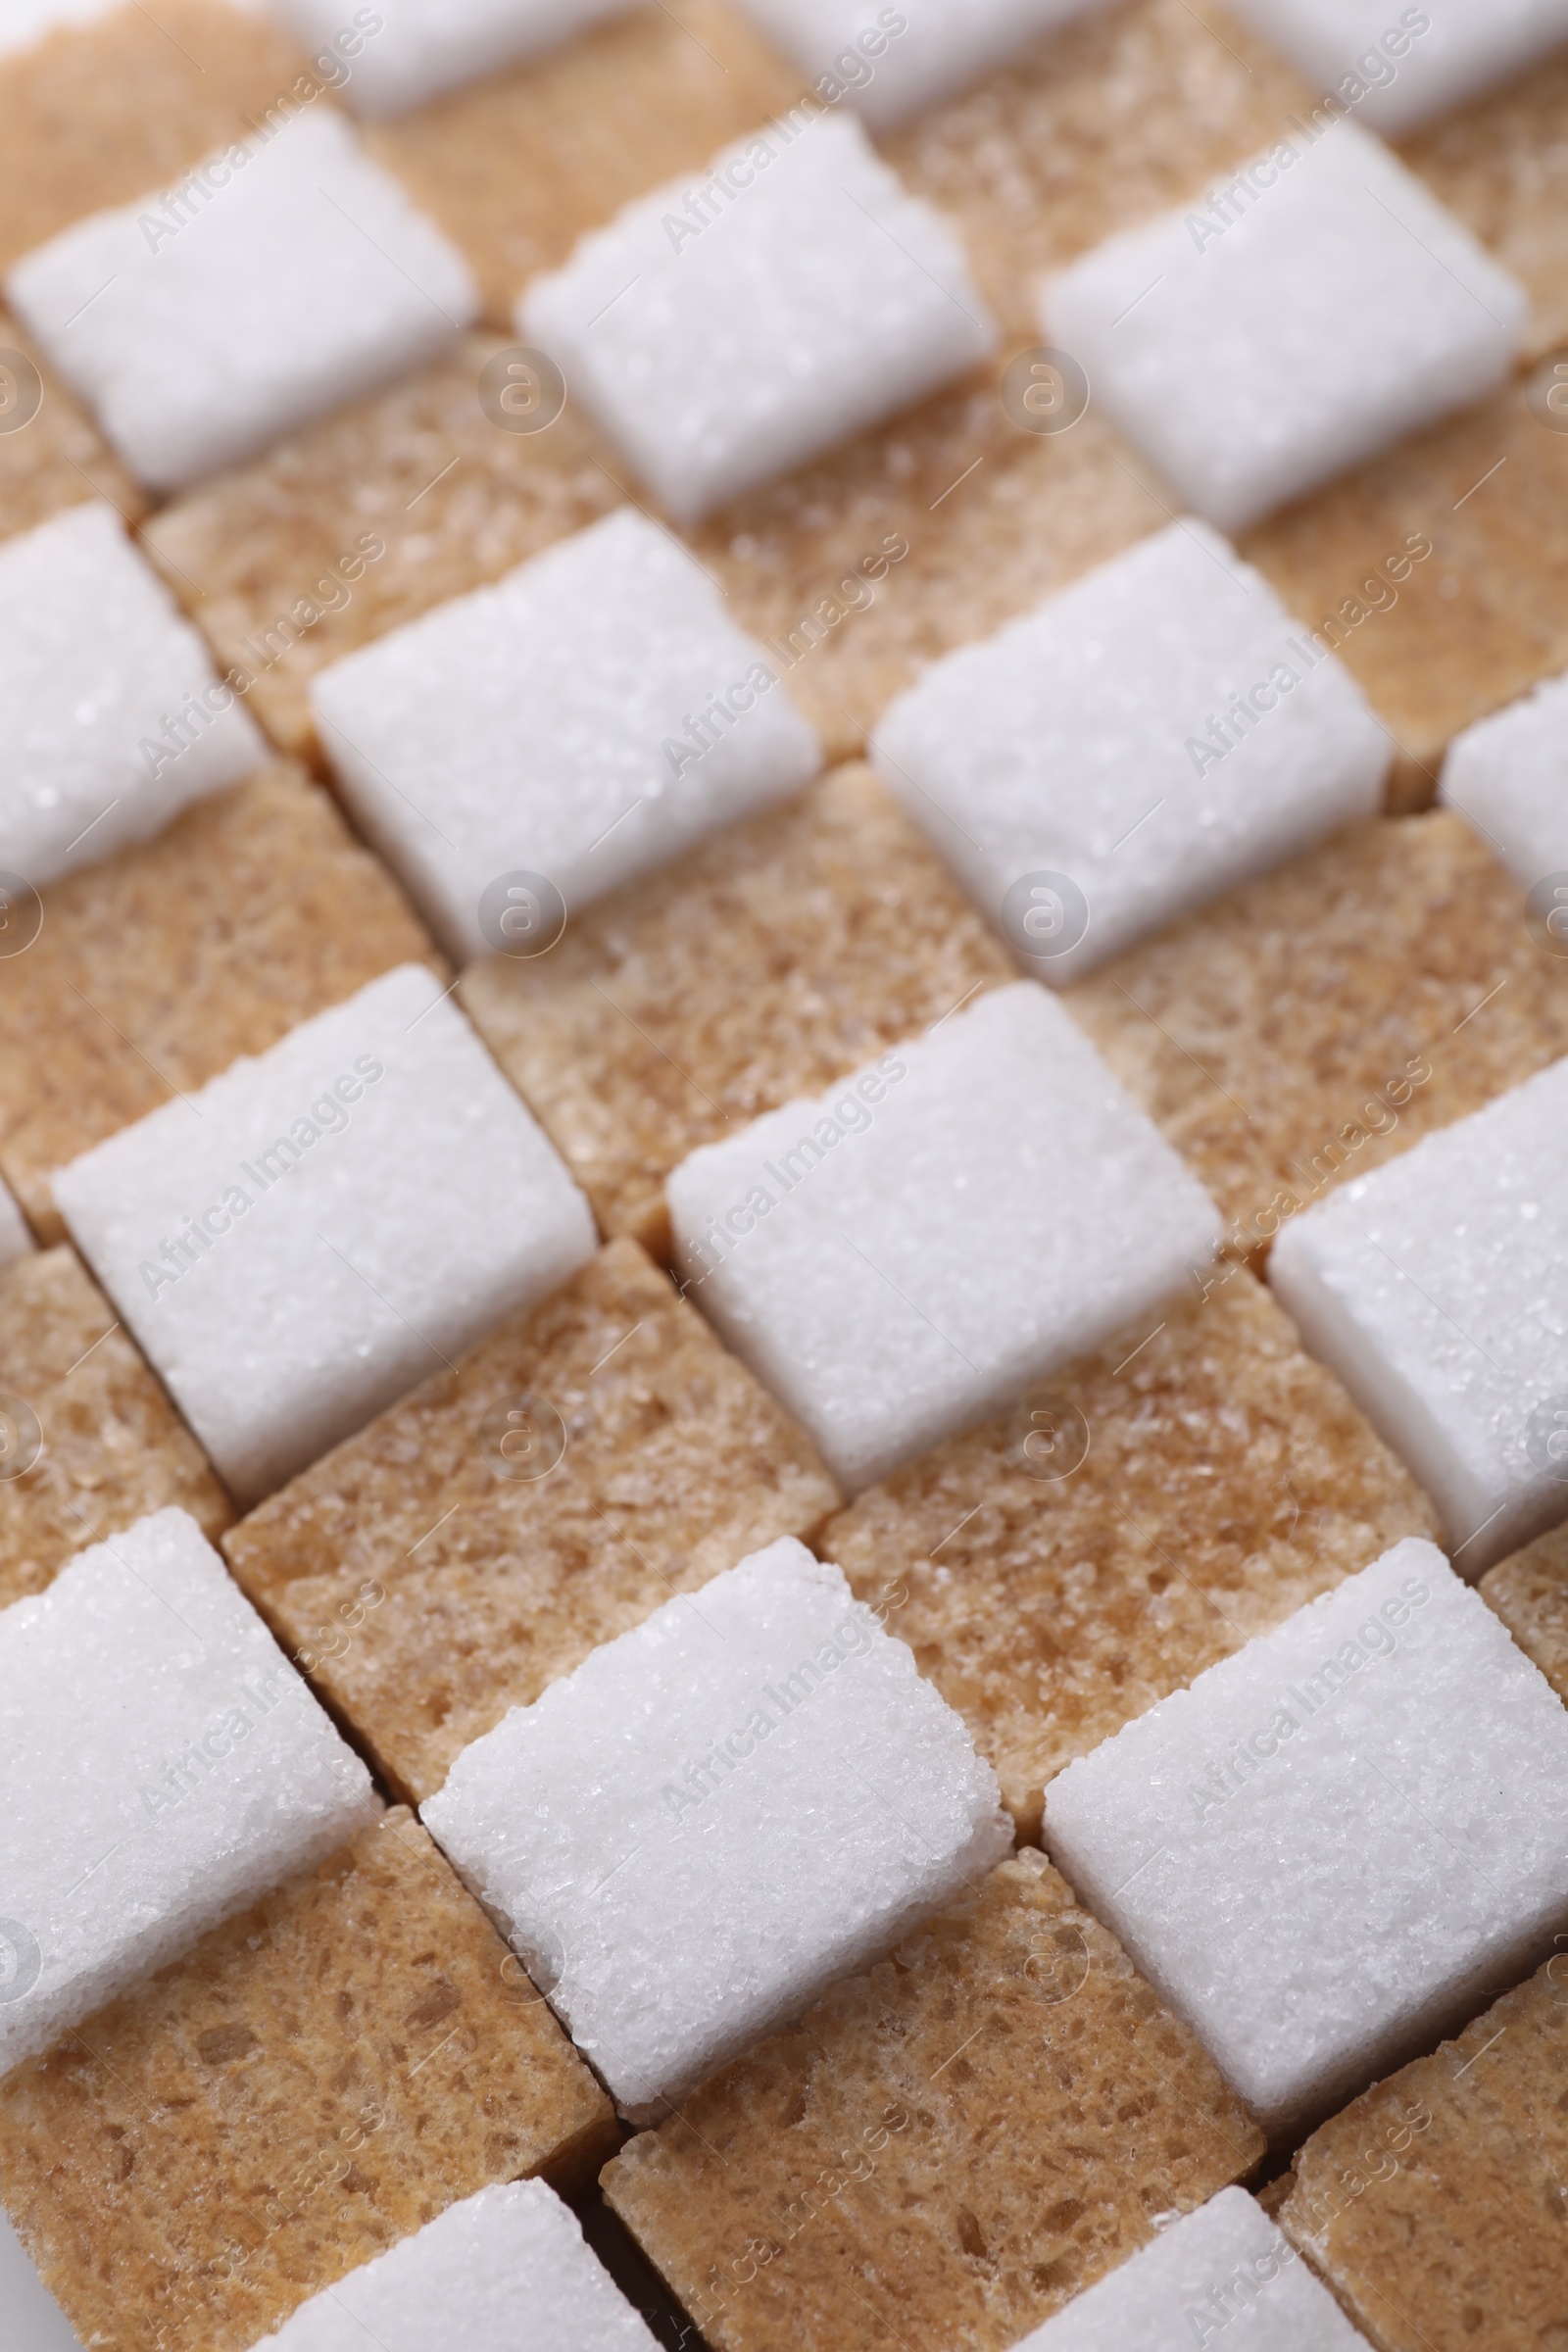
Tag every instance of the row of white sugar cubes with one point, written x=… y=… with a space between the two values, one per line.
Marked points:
x=1335 y=1846
x=585 y=719
x=1149 y=736
x=199 y=1772
x=1396 y=317
x=320 y=1228
x=752 y=1794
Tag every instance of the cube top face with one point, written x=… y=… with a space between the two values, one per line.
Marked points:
x=1396 y=316
x=1508 y=774
x=417 y=50
x=1223 y=2269
x=904 y=1254
x=585 y=720
x=726 y=329
x=1436 y=1289
x=695 y=1832
x=324 y=1225
x=112 y=716
x=888 y=63
x=467 y=2277
x=1399 y=68
x=278 y=281
x=203 y=1772
x=1328 y=1848
x=1154 y=733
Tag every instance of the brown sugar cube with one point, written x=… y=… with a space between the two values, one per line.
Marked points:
x=51 y=456
x=1059 y=1570
x=103 y=113
x=556 y=1487
x=945 y=2148
x=321 y=2077
x=1530 y=1593
x=157 y=969
x=780 y=956
x=1310 y=1025
x=1434 y=2205
x=517 y=166
x=364 y=520
x=114 y=1448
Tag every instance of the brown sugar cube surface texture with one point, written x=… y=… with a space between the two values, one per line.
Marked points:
x=320 y=2075
x=1130 y=1523
x=944 y=2149
x=565 y=1478
x=109 y=1447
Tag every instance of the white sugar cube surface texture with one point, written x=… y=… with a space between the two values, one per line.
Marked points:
x=1395 y=316
x=420 y=48
x=752 y=1794
x=325 y=1226
x=112 y=717
x=1508 y=774
x=889 y=62
x=908 y=1252
x=1222 y=2274
x=1436 y=1289
x=586 y=719
x=35 y=2321
x=1156 y=732
x=736 y=323
x=162 y=1766
x=505 y=2271
x=278 y=279
x=1337 y=1844
x=1401 y=67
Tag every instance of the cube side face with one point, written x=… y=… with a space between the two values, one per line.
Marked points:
x=1400 y=74
x=1530 y=1593
x=1506 y=774
x=858 y=55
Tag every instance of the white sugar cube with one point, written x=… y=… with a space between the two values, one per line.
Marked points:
x=35 y=2321
x=736 y=323
x=420 y=48
x=25 y=22
x=323 y=1227
x=1396 y=317
x=889 y=62
x=277 y=280
x=1156 y=732
x=1436 y=1289
x=1399 y=67
x=1508 y=774
x=112 y=716
x=502 y=2270
x=1339 y=1843
x=907 y=1254
x=162 y=1766
x=752 y=1794
x=586 y=719
x=16 y=1236
x=1223 y=2271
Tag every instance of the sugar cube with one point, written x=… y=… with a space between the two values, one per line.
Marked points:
x=1396 y=317
x=586 y=719
x=113 y=715
x=1508 y=774
x=163 y=1766
x=422 y=48
x=35 y=2321
x=508 y=2259
x=24 y=22
x=1436 y=1289
x=15 y=1237
x=1223 y=2269
x=902 y=1257
x=1327 y=1848
x=751 y=1793
x=322 y=1226
x=280 y=279
x=888 y=63
x=727 y=328
x=1399 y=69
x=1155 y=733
